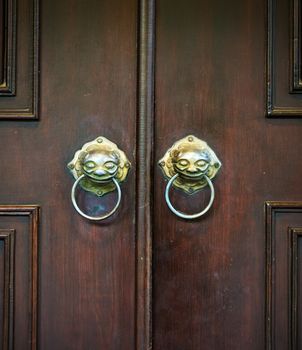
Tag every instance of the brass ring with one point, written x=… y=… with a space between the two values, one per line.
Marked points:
x=95 y=218
x=189 y=216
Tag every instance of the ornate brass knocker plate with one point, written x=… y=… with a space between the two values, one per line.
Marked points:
x=99 y=160
x=99 y=167
x=189 y=165
x=190 y=158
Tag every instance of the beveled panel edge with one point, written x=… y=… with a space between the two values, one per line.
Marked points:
x=8 y=236
x=8 y=85
x=294 y=234
x=296 y=48
x=33 y=213
x=273 y=111
x=271 y=208
x=30 y=113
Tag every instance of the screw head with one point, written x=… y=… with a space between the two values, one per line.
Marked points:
x=190 y=138
x=162 y=163
x=99 y=140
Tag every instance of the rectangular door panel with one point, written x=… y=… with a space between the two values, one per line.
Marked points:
x=283 y=285
x=19 y=87
x=7 y=253
x=8 y=15
x=19 y=234
x=284 y=55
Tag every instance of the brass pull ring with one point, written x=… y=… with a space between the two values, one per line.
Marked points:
x=181 y=214
x=95 y=218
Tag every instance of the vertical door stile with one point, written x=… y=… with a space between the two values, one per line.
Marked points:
x=144 y=160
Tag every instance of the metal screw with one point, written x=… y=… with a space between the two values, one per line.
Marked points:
x=99 y=140
x=162 y=163
x=190 y=138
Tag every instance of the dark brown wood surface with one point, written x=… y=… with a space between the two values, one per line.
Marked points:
x=88 y=63
x=209 y=276
x=2 y=39
x=145 y=74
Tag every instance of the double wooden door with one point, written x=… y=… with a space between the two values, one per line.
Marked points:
x=145 y=74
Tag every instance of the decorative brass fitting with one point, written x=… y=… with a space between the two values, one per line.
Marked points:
x=100 y=161
x=192 y=159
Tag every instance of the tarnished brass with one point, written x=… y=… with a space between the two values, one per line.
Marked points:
x=100 y=161
x=192 y=159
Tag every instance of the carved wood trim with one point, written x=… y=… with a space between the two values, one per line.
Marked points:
x=7 y=236
x=272 y=110
x=30 y=112
x=295 y=234
x=32 y=212
x=271 y=208
x=296 y=47
x=8 y=84
x=269 y=74
x=144 y=186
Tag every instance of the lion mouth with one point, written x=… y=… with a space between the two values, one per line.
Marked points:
x=197 y=176
x=100 y=178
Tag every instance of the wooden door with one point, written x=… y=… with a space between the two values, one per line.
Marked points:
x=145 y=74
x=72 y=285
x=228 y=72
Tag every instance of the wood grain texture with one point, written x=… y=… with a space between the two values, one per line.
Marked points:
x=281 y=274
x=295 y=287
x=296 y=47
x=87 y=271
x=8 y=48
x=145 y=279
x=144 y=161
x=209 y=274
x=21 y=61
x=24 y=266
x=7 y=241
x=283 y=65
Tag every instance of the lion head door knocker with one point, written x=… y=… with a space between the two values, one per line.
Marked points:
x=99 y=167
x=189 y=165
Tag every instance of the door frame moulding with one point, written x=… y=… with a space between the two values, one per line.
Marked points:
x=144 y=171
x=272 y=208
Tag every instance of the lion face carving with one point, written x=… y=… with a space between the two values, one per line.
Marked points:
x=192 y=159
x=100 y=161
x=191 y=163
x=101 y=166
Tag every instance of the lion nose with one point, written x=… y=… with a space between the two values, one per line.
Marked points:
x=192 y=169
x=100 y=172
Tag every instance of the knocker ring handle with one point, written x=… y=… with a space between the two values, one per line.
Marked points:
x=95 y=218
x=181 y=214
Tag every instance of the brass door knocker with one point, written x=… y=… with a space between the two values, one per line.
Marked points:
x=190 y=165
x=99 y=167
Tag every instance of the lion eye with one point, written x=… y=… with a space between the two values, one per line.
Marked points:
x=90 y=164
x=183 y=162
x=201 y=163
x=110 y=165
